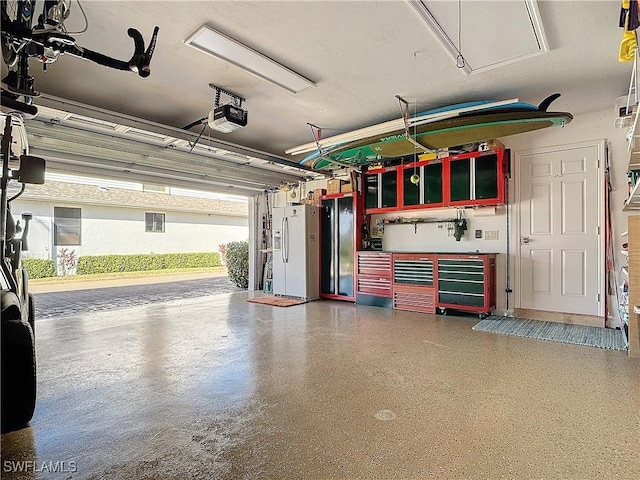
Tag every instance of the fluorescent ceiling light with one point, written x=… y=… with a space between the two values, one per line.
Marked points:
x=226 y=48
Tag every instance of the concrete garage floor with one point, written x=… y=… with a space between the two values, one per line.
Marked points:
x=216 y=387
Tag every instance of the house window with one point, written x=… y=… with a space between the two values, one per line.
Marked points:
x=66 y=225
x=154 y=222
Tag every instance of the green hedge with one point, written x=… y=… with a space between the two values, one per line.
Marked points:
x=39 y=268
x=135 y=263
x=238 y=263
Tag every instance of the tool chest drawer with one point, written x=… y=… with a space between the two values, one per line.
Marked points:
x=413 y=269
x=467 y=282
x=414 y=299
x=374 y=276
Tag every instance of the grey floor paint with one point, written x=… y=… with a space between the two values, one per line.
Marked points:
x=216 y=387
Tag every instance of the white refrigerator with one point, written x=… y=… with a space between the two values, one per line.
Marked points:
x=296 y=251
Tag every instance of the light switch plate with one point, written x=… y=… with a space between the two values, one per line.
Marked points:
x=491 y=235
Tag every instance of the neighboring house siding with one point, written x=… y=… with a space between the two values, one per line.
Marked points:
x=121 y=230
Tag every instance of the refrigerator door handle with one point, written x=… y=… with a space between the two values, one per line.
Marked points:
x=285 y=232
x=282 y=245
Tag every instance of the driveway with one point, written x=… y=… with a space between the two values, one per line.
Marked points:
x=56 y=304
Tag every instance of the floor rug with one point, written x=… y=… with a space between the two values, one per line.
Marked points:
x=555 y=332
x=277 y=301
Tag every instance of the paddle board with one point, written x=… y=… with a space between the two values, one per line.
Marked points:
x=429 y=116
x=439 y=128
x=433 y=115
x=441 y=134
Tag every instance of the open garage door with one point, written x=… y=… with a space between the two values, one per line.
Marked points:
x=82 y=140
x=110 y=145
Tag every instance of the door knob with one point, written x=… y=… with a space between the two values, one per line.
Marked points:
x=525 y=240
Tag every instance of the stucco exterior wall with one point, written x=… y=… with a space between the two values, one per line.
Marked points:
x=115 y=230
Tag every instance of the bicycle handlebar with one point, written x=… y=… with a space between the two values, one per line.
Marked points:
x=139 y=62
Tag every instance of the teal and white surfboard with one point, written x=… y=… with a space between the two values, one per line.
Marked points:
x=439 y=128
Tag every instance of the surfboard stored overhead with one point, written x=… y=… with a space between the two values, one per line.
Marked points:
x=432 y=115
x=470 y=126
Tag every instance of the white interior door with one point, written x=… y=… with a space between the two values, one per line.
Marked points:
x=560 y=244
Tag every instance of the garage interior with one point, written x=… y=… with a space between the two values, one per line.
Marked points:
x=349 y=385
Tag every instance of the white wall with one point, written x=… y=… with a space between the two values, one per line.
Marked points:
x=111 y=230
x=593 y=126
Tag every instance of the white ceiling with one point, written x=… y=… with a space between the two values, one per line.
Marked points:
x=359 y=53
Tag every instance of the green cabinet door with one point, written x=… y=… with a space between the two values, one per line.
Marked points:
x=371 y=191
x=460 y=180
x=486 y=176
x=389 y=189
x=432 y=183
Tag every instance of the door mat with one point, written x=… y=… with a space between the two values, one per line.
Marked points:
x=277 y=301
x=555 y=332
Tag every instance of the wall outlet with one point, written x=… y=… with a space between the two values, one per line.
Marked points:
x=491 y=235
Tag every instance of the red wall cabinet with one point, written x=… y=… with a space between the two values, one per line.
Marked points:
x=476 y=179
x=470 y=179
x=382 y=191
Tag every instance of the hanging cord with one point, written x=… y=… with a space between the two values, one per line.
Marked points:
x=415 y=178
x=86 y=21
x=404 y=110
x=507 y=289
x=415 y=130
x=460 y=62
